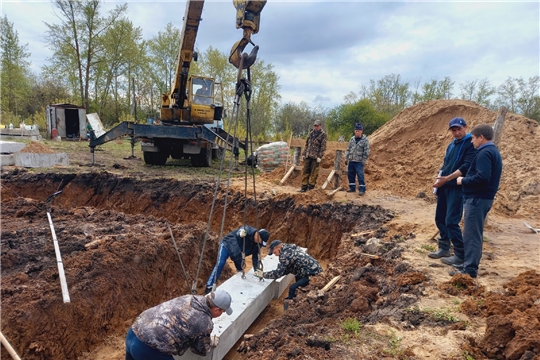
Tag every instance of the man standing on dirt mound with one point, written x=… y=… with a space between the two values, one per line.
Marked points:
x=479 y=189
x=313 y=153
x=176 y=325
x=356 y=157
x=292 y=260
x=459 y=156
x=237 y=245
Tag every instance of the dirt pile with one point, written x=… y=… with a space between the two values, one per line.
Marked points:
x=407 y=153
x=37 y=147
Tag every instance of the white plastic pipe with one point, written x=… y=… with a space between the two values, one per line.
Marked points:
x=8 y=347
x=62 y=275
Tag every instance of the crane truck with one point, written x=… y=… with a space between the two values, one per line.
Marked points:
x=193 y=105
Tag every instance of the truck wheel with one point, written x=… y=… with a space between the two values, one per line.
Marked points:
x=203 y=159
x=217 y=153
x=155 y=158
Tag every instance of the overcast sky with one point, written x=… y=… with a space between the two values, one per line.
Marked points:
x=322 y=50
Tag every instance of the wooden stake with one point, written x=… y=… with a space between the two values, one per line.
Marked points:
x=334 y=191
x=331 y=283
x=364 y=233
x=434 y=235
x=9 y=348
x=370 y=256
x=328 y=179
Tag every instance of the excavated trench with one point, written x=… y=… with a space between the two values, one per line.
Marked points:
x=117 y=251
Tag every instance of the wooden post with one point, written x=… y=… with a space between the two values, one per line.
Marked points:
x=497 y=132
x=498 y=125
x=297 y=154
x=296 y=162
x=337 y=166
x=328 y=179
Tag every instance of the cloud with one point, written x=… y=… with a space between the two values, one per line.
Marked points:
x=322 y=50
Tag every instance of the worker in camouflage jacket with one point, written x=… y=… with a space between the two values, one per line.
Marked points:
x=312 y=156
x=292 y=260
x=355 y=158
x=173 y=327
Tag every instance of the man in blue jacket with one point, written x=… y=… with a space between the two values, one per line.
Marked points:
x=479 y=189
x=238 y=244
x=459 y=156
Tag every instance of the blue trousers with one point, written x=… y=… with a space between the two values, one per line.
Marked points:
x=137 y=350
x=223 y=255
x=299 y=282
x=476 y=210
x=448 y=215
x=356 y=169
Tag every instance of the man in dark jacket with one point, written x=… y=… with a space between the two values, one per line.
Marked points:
x=238 y=244
x=292 y=260
x=459 y=156
x=176 y=325
x=479 y=189
x=313 y=153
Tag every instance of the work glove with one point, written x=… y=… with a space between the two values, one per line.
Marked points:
x=258 y=274
x=318 y=160
x=242 y=233
x=214 y=340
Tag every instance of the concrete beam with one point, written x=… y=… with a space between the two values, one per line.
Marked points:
x=250 y=297
x=33 y=160
x=9 y=147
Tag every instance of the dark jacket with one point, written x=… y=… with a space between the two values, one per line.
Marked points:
x=315 y=144
x=484 y=175
x=236 y=245
x=459 y=155
x=294 y=260
x=176 y=325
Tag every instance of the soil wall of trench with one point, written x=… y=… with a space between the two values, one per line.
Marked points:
x=118 y=254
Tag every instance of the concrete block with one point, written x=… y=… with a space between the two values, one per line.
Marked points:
x=7 y=160
x=9 y=147
x=33 y=160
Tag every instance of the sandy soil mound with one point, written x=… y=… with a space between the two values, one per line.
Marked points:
x=407 y=153
x=37 y=148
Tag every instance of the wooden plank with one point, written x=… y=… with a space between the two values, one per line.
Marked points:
x=287 y=175
x=331 y=283
x=328 y=179
x=334 y=191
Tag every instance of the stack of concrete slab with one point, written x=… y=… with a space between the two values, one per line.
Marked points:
x=11 y=155
x=27 y=132
x=250 y=296
x=7 y=149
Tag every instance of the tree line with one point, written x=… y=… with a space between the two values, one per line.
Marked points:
x=100 y=61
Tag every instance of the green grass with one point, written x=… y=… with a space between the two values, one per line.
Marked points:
x=351 y=325
x=429 y=247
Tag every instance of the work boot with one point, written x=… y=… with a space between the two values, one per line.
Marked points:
x=361 y=193
x=351 y=190
x=362 y=190
x=452 y=260
x=311 y=187
x=303 y=189
x=443 y=251
x=286 y=303
x=460 y=272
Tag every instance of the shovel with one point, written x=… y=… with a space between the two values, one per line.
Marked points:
x=530 y=227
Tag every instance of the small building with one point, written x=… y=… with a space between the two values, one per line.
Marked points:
x=67 y=121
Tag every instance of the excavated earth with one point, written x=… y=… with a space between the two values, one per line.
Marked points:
x=389 y=302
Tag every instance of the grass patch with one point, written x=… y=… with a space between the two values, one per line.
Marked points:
x=351 y=325
x=429 y=247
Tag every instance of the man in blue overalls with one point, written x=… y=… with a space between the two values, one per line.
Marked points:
x=459 y=156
